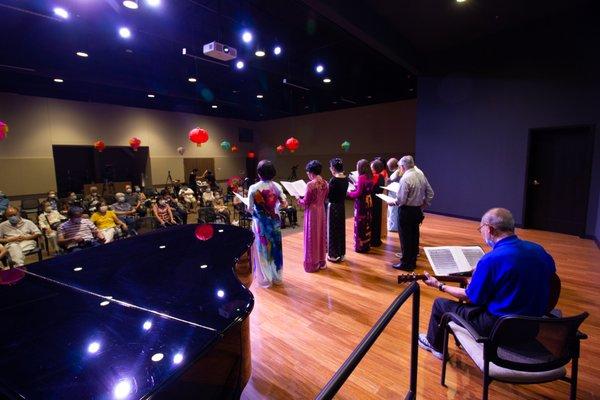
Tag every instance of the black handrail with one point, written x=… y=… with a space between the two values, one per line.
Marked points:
x=342 y=374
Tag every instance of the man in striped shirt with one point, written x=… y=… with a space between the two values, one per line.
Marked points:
x=78 y=233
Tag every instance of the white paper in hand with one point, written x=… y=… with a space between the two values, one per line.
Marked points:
x=243 y=199
x=392 y=187
x=386 y=198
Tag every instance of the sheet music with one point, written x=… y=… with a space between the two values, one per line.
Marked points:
x=243 y=199
x=386 y=198
x=296 y=188
x=446 y=260
x=351 y=187
x=392 y=187
x=353 y=177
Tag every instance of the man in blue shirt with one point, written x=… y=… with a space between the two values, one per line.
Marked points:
x=512 y=279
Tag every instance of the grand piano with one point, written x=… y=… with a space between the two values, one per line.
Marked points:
x=163 y=315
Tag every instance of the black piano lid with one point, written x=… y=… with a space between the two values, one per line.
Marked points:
x=61 y=335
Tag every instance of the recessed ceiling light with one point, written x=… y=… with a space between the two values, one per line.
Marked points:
x=247 y=36
x=58 y=80
x=61 y=12
x=153 y=3
x=277 y=50
x=131 y=4
x=319 y=68
x=192 y=80
x=151 y=96
x=125 y=32
x=327 y=80
x=259 y=53
x=461 y=1
x=129 y=51
x=240 y=64
x=82 y=54
x=259 y=96
x=214 y=106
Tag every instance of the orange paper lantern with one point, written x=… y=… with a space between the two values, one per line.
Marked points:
x=280 y=149
x=198 y=136
x=99 y=145
x=135 y=143
x=292 y=144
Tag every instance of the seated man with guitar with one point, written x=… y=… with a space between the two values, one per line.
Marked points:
x=515 y=278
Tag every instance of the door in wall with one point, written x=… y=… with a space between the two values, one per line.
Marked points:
x=559 y=168
x=202 y=164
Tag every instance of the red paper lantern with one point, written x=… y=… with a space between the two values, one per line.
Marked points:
x=3 y=130
x=292 y=144
x=251 y=154
x=99 y=145
x=135 y=143
x=198 y=136
x=204 y=232
x=280 y=149
x=234 y=149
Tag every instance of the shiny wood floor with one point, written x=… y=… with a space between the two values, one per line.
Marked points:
x=303 y=330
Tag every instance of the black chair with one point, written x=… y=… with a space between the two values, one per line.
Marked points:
x=520 y=350
x=36 y=250
x=30 y=206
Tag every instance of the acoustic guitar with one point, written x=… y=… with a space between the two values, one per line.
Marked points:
x=464 y=281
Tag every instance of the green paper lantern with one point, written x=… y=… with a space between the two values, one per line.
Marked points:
x=346 y=145
x=225 y=145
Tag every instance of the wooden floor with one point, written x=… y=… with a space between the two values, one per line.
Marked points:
x=304 y=330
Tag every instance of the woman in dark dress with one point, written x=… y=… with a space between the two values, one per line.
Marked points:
x=377 y=167
x=363 y=207
x=336 y=213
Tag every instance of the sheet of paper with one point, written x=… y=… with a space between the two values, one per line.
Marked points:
x=386 y=198
x=296 y=188
x=290 y=188
x=446 y=260
x=243 y=199
x=392 y=187
x=353 y=177
x=351 y=187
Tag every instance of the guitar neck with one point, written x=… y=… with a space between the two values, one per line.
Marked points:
x=415 y=277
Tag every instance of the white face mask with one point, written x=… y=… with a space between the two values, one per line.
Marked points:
x=120 y=199
x=48 y=209
x=162 y=202
x=52 y=196
x=103 y=209
x=128 y=190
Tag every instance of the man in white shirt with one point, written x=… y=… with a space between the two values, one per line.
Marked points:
x=414 y=195
x=18 y=235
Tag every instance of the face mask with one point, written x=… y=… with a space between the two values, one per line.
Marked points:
x=138 y=190
x=52 y=196
x=73 y=198
x=120 y=199
x=103 y=209
x=76 y=220
x=48 y=210
x=128 y=190
x=14 y=219
x=162 y=202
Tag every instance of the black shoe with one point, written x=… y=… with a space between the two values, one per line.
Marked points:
x=403 y=267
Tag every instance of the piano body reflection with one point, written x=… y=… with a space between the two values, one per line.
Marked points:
x=160 y=316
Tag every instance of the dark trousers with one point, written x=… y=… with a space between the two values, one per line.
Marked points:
x=409 y=219
x=480 y=319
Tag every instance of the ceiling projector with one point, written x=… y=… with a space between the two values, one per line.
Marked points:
x=219 y=51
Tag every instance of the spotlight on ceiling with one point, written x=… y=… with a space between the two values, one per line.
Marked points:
x=240 y=64
x=259 y=53
x=461 y=1
x=259 y=96
x=131 y=4
x=125 y=32
x=153 y=3
x=327 y=80
x=151 y=96
x=193 y=80
x=58 y=80
x=214 y=106
x=247 y=36
x=277 y=50
x=82 y=54
x=319 y=68
x=61 y=12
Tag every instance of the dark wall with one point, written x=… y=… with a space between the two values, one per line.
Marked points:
x=472 y=137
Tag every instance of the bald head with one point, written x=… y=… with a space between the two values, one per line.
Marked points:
x=500 y=219
x=392 y=164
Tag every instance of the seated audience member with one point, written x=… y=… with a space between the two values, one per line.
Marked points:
x=51 y=200
x=4 y=203
x=125 y=212
x=49 y=221
x=220 y=207
x=71 y=201
x=78 y=233
x=162 y=213
x=3 y=254
x=209 y=178
x=107 y=222
x=18 y=235
x=208 y=197
x=92 y=200
x=188 y=197
x=290 y=212
x=514 y=278
x=178 y=208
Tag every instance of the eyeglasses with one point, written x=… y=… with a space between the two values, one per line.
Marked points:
x=481 y=226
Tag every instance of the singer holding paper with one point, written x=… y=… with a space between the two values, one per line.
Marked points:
x=414 y=194
x=392 y=217
x=377 y=168
x=363 y=207
x=336 y=211
x=512 y=279
x=264 y=199
x=315 y=232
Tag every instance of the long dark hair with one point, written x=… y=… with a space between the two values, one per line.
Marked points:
x=364 y=168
